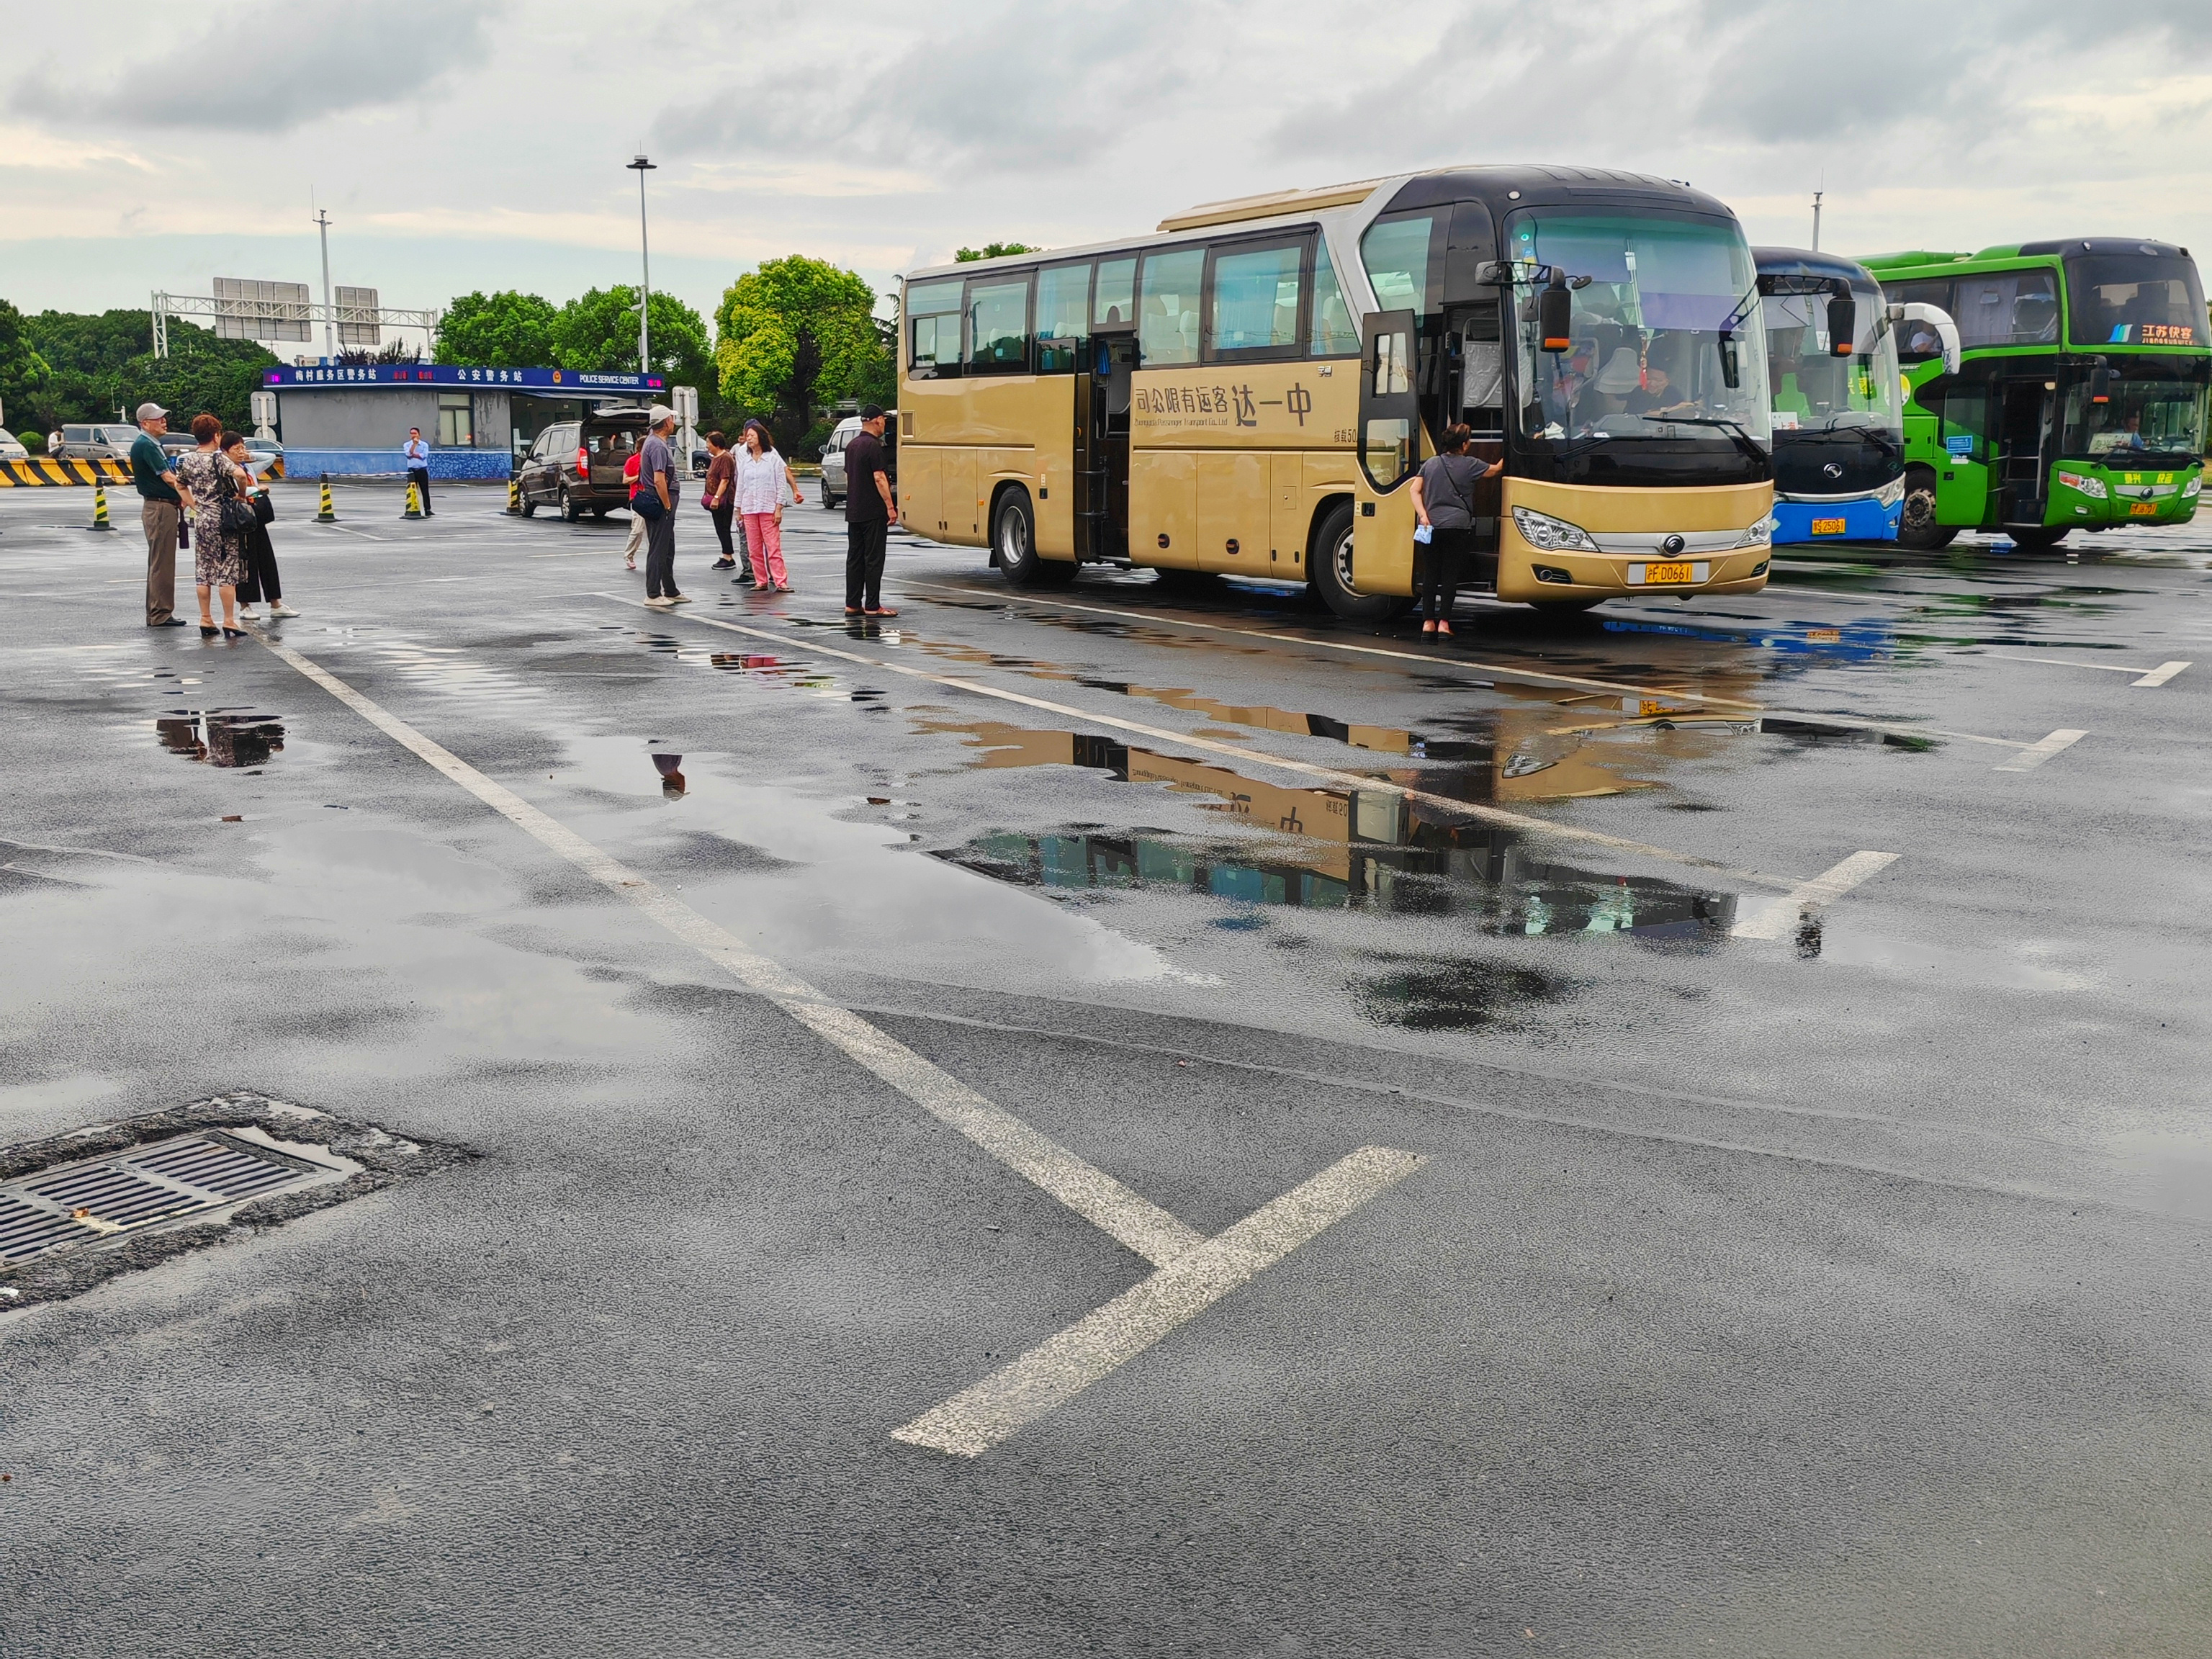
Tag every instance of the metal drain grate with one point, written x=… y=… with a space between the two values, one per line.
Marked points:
x=165 y=1180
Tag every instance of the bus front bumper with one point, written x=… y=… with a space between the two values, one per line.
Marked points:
x=1862 y=520
x=1528 y=576
x=2097 y=498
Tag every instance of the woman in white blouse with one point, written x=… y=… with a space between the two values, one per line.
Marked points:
x=762 y=479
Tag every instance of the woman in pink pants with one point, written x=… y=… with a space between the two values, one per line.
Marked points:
x=762 y=480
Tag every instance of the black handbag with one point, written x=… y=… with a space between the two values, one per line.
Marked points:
x=264 y=510
x=234 y=513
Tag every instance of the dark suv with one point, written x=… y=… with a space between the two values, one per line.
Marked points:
x=578 y=464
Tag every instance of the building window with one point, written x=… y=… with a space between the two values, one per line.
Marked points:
x=456 y=426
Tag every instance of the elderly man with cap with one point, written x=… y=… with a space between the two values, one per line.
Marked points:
x=162 y=497
x=656 y=498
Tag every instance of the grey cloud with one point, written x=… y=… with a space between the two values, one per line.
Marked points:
x=272 y=69
x=1015 y=90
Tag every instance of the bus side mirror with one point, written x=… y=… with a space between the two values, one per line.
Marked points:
x=1843 y=324
x=1493 y=273
x=1555 y=314
x=1731 y=367
x=2100 y=383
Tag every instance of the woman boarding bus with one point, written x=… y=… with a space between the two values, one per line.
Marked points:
x=1250 y=391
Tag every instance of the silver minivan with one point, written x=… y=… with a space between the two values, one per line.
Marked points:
x=833 y=461
x=106 y=441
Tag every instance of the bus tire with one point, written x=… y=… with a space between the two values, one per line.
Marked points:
x=1331 y=572
x=1915 y=525
x=1013 y=540
x=2038 y=538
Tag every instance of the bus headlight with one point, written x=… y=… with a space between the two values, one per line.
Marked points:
x=1550 y=534
x=1758 y=534
x=1890 y=494
x=2092 y=488
x=2194 y=489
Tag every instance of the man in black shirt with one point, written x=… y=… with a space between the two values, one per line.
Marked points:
x=869 y=513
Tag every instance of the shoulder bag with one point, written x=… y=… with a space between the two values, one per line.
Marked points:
x=235 y=512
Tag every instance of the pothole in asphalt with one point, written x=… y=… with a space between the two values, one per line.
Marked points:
x=79 y=1208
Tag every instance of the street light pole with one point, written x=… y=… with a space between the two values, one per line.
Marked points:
x=641 y=167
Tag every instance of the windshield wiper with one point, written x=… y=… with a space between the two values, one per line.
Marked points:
x=1738 y=434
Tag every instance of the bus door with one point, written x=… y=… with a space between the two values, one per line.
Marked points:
x=1473 y=387
x=1102 y=445
x=2024 y=432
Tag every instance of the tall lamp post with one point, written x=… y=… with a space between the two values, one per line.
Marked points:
x=641 y=167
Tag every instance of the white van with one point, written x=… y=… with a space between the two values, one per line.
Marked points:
x=833 y=461
x=107 y=440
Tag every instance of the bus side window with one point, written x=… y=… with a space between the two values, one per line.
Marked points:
x=1168 y=315
x=1916 y=342
x=1063 y=314
x=1333 y=333
x=1114 y=302
x=998 y=325
x=932 y=311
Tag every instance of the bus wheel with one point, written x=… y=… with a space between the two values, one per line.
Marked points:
x=1332 y=573
x=2038 y=538
x=1916 y=525
x=1013 y=538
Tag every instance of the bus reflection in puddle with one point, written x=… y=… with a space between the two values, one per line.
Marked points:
x=1345 y=849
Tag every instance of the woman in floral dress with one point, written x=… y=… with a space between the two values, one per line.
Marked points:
x=218 y=555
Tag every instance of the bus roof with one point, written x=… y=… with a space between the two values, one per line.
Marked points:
x=1503 y=189
x=1897 y=264
x=1807 y=261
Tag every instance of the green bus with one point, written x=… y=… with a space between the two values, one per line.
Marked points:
x=2079 y=402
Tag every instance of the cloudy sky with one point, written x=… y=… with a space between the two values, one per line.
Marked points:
x=481 y=144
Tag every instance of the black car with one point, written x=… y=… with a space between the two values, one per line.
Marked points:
x=577 y=466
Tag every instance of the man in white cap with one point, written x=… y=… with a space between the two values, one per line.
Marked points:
x=656 y=498
x=162 y=498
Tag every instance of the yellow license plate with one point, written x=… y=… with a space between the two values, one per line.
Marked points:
x=1827 y=527
x=2136 y=510
x=1683 y=572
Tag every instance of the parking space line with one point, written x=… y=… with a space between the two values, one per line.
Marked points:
x=1101 y=1342
x=2041 y=750
x=1123 y=1215
x=1779 y=920
x=2158 y=676
x=1521 y=821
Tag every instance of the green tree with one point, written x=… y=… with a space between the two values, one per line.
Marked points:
x=993 y=251
x=100 y=365
x=506 y=329
x=596 y=333
x=795 y=336
x=23 y=372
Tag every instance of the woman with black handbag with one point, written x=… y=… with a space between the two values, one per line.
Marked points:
x=261 y=579
x=1444 y=501
x=220 y=512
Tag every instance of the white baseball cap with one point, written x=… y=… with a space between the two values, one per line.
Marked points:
x=151 y=412
x=660 y=412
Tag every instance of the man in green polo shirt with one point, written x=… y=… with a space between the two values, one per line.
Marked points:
x=164 y=498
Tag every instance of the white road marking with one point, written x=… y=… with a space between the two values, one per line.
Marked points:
x=1099 y=1343
x=1521 y=821
x=2158 y=676
x=1092 y=1193
x=2038 y=752
x=1779 y=920
x=348 y=530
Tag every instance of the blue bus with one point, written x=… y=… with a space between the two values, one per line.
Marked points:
x=1838 y=399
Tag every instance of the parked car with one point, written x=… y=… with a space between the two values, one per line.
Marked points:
x=105 y=440
x=11 y=450
x=577 y=466
x=833 y=457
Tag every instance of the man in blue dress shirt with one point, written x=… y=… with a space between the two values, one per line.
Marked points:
x=418 y=466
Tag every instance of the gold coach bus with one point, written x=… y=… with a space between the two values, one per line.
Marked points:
x=1249 y=390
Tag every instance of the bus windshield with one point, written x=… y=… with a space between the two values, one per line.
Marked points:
x=2153 y=418
x=1814 y=390
x=1664 y=339
x=2129 y=299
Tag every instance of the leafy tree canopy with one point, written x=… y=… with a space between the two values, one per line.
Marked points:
x=993 y=250
x=796 y=336
x=90 y=366
x=596 y=333
x=506 y=329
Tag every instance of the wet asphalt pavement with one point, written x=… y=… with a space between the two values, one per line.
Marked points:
x=1828 y=1280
